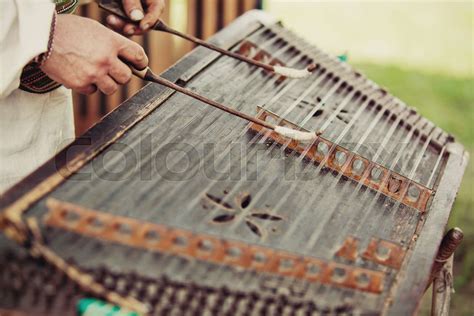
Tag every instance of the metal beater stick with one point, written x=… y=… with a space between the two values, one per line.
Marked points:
x=148 y=75
x=115 y=7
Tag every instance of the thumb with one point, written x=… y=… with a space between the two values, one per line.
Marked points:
x=134 y=9
x=134 y=54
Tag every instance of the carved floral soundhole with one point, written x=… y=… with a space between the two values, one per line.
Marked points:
x=239 y=210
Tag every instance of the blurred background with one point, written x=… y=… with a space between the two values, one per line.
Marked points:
x=421 y=51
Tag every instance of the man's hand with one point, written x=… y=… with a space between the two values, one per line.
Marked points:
x=86 y=55
x=135 y=10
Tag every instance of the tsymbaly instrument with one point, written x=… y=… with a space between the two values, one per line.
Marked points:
x=166 y=207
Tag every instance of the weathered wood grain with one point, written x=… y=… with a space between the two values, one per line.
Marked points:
x=416 y=271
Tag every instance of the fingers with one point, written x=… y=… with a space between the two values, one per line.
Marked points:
x=116 y=23
x=134 y=54
x=130 y=29
x=120 y=26
x=87 y=90
x=120 y=72
x=153 y=12
x=134 y=9
x=107 y=85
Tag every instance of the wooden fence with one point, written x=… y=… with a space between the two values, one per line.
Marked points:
x=201 y=18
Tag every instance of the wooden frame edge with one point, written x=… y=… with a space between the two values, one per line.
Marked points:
x=416 y=269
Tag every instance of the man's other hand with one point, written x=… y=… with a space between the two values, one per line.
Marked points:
x=86 y=55
x=147 y=15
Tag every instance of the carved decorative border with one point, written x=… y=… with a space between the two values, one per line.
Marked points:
x=162 y=238
x=353 y=166
x=380 y=251
x=247 y=48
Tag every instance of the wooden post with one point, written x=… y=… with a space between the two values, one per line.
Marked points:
x=442 y=273
x=442 y=289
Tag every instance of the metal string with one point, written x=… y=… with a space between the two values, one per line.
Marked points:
x=385 y=141
x=222 y=268
x=417 y=163
x=379 y=153
x=114 y=159
x=195 y=119
x=246 y=129
x=254 y=151
x=229 y=75
x=237 y=123
x=420 y=158
x=314 y=110
x=227 y=149
x=343 y=133
x=404 y=167
x=381 y=111
x=440 y=155
x=412 y=172
x=268 y=83
x=360 y=110
x=314 y=196
x=305 y=93
x=264 y=189
x=436 y=167
x=315 y=236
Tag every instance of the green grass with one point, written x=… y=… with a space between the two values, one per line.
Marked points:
x=449 y=103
